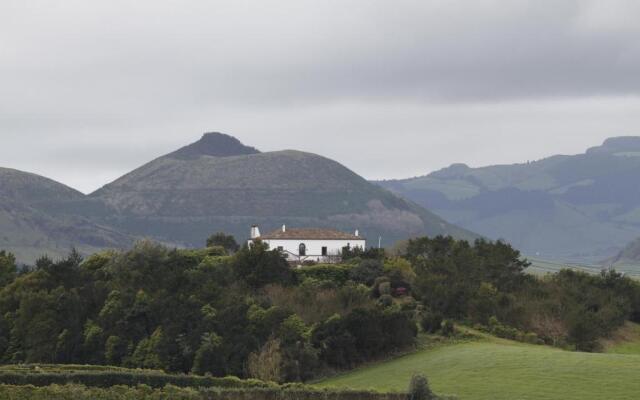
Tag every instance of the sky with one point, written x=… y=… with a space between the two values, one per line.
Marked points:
x=92 y=89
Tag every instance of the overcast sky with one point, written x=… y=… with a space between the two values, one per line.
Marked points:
x=396 y=88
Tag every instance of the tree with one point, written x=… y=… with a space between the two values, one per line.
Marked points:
x=228 y=242
x=7 y=268
x=150 y=352
x=208 y=357
x=367 y=271
x=549 y=327
x=259 y=266
x=114 y=350
x=267 y=363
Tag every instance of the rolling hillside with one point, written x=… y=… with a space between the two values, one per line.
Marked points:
x=32 y=222
x=218 y=183
x=497 y=369
x=580 y=208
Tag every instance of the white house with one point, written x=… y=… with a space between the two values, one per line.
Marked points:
x=309 y=244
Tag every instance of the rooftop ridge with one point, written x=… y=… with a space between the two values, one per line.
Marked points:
x=310 y=234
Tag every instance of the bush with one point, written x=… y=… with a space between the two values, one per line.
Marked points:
x=419 y=388
x=367 y=271
x=448 y=328
x=338 y=274
x=532 y=338
x=431 y=322
x=385 y=300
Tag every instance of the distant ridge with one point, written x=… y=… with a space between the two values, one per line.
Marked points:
x=581 y=208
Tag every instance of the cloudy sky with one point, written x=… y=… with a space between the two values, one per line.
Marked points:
x=92 y=89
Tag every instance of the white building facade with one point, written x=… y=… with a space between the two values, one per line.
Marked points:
x=309 y=244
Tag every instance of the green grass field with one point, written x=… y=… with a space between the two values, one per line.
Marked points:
x=495 y=369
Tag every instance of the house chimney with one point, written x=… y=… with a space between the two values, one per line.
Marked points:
x=357 y=232
x=255 y=232
x=284 y=228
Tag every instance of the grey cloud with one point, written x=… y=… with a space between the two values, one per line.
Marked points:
x=205 y=52
x=89 y=90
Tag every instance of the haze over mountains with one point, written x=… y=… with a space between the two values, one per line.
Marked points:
x=580 y=208
x=214 y=184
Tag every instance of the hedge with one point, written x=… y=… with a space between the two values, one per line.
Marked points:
x=79 y=392
x=105 y=379
x=337 y=273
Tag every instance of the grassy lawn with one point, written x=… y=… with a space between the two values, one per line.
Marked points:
x=493 y=369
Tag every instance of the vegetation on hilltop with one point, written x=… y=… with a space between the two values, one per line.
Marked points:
x=251 y=315
x=197 y=311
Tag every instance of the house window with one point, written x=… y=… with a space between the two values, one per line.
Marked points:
x=324 y=250
x=302 y=249
x=280 y=249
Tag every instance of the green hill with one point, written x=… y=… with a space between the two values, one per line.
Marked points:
x=495 y=369
x=219 y=184
x=32 y=225
x=580 y=208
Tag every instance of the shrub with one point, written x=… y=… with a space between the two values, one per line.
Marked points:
x=367 y=271
x=419 y=388
x=532 y=338
x=448 y=328
x=338 y=274
x=431 y=322
x=385 y=300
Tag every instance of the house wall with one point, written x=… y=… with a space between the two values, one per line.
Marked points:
x=314 y=247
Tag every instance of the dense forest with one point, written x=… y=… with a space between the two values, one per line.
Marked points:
x=224 y=310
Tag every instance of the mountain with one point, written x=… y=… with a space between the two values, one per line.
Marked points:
x=629 y=255
x=217 y=183
x=576 y=208
x=31 y=224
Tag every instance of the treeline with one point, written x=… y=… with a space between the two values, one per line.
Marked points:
x=247 y=313
x=485 y=284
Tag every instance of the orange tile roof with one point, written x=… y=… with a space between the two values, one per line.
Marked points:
x=310 y=234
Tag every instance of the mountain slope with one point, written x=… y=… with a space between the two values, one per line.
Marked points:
x=31 y=224
x=629 y=255
x=573 y=208
x=219 y=184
